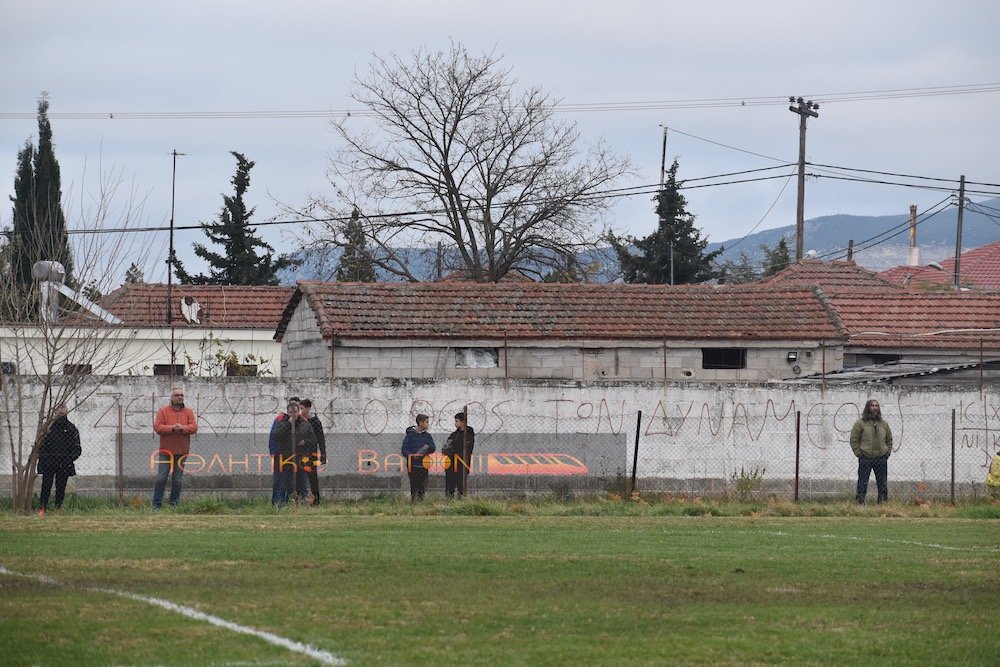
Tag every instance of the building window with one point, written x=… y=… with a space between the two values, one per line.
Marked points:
x=241 y=370
x=8 y=368
x=77 y=369
x=723 y=358
x=477 y=357
x=164 y=369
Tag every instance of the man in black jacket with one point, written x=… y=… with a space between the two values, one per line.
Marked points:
x=294 y=443
x=321 y=441
x=458 y=451
x=60 y=448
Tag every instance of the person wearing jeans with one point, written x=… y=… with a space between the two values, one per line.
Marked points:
x=175 y=424
x=871 y=440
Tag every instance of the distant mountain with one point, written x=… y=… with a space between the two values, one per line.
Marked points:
x=880 y=242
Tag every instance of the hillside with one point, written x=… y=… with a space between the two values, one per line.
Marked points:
x=829 y=237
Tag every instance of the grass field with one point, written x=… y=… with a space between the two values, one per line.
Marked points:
x=481 y=583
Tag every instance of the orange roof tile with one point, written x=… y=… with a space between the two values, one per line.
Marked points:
x=920 y=320
x=220 y=306
x=563 y=311
x=979 y=268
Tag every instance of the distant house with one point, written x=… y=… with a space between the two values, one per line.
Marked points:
x=578 y=331
x=200 y=330
x=882 y=321
x=979 y=270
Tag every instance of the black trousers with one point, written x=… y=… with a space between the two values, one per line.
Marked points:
x=418 y=481
x=314 y=484
x=453 y=480
x=60 y=479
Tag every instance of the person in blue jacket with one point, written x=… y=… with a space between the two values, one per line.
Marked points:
x=417 y=443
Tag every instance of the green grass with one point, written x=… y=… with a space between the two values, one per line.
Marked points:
x=506 y=582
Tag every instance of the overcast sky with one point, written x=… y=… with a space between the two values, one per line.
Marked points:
x=187 y=56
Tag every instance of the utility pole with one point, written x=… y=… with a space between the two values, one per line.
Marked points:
x=663 y=172
x=958 y=234
x=170 y=270
x=804 y=109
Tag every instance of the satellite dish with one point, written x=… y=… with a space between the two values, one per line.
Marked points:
x=811 y=254
x=190 y=309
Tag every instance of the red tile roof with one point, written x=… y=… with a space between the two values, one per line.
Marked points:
x=980 y=269
x=563 y=311
x=830 y=276
x=220 y=306
x=917 y=320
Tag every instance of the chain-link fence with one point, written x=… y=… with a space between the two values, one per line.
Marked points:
x=539 y=440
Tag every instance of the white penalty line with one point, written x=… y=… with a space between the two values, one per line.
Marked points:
x=885 y=540
x=325 y=657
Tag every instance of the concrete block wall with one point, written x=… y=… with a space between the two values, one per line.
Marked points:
x=689 y=431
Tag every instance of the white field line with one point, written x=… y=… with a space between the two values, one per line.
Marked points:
x=856 y=538
x=324 y=657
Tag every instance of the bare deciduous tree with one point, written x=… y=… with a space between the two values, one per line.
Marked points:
x=50 y=361
x=459 y=163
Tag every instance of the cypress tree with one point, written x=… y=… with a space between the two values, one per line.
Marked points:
x=39 y=230
x=355 y=263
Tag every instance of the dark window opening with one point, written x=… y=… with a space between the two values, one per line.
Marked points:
x=77 y=369
x=723 y=358
x=164 y=369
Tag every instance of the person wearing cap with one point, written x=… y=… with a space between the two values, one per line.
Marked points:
x=417 y=443
x=175 y=424
x=290 y=439
x=871 y=440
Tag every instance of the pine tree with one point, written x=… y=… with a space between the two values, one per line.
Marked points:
x=675 y=233
x=241 y=264
x=355 y=263
x=134 y=276
x=39 y=231
x=775 y=259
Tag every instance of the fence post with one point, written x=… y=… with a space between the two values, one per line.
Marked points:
x=953 y=456
x=798 y=449
x=120 y=457
x=635 y=453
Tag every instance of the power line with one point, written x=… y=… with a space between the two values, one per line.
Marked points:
x=655 y=105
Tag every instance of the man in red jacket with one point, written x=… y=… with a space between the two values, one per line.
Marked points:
x=174 y=423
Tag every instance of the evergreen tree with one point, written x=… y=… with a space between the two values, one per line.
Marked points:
x=240 y=263
x=355 y=263
x=39 y=230
x=134 y=276
x=675 y=232
x=776 y=258
x=745 y=271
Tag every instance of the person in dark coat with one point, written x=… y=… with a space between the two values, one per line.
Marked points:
x=321 y=441
x=60 y=448
x=417 y=443
x=294 y=447
x=458 y=451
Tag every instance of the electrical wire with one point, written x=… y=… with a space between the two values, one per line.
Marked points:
x=656 y=105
